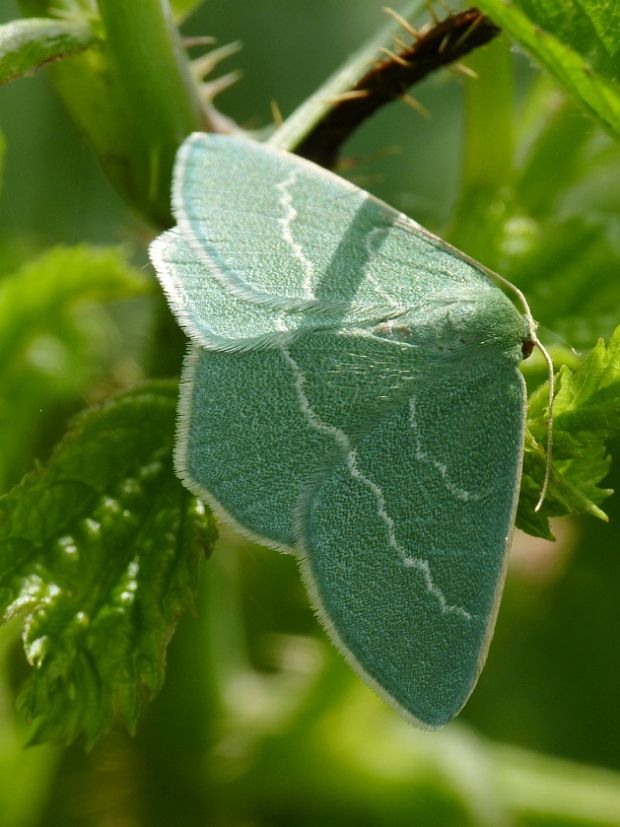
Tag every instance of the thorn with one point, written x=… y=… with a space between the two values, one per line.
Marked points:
x=276 y=114
x=213 y=88
x=396 y=58
x=347 y=163
x=199 y=40
x=444 y=42
x=203 y=66
x=218 y=122
x=461 y=69
x=416 y=106
x=406 y=25
x=549 y=453
x=431 y=11
x=471 y=28
x=354 y=94
x=400 y=44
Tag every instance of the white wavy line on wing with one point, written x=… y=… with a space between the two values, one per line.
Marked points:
x=343 y=442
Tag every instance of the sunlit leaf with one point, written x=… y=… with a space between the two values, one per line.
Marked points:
x=576 y=42
x=586 y=417
x=54 y=338
x=99 y=553
x=28 y=45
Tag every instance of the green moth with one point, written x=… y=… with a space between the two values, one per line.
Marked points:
x=352 y=395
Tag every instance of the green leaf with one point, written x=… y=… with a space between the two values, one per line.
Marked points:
x=2 y=154
x=28 y=45
x=32 y=297
x=549 y=227
x=54 y=338
x=586 y=417
x=590 y=26
x=576 y=42
x=99 y=552
x=570 y=274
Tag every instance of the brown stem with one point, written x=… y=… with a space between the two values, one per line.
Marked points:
x=389 y=79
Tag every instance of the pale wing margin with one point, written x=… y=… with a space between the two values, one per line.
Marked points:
x=405 y=542
x=252 y=262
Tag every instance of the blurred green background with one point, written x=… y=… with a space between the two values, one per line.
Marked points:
x=260 y=722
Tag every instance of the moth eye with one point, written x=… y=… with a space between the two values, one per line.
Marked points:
x=527 y=347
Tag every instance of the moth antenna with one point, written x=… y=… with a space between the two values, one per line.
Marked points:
x=547 y=356
x=533 y=325
x=545 y=486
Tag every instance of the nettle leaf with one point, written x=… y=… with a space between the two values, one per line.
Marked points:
x=586 y=416
x=28 y=45
x=99 y=552
x=577 y=43
x=52 y=282
x=54 y=337
x=591 y=29
x=557 y=272
x=550 y=228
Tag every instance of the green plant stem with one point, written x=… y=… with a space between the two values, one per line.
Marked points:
x=160 y=97
x=489 y=121
x=543 y=791
x=488 y=153
x=384 y=772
